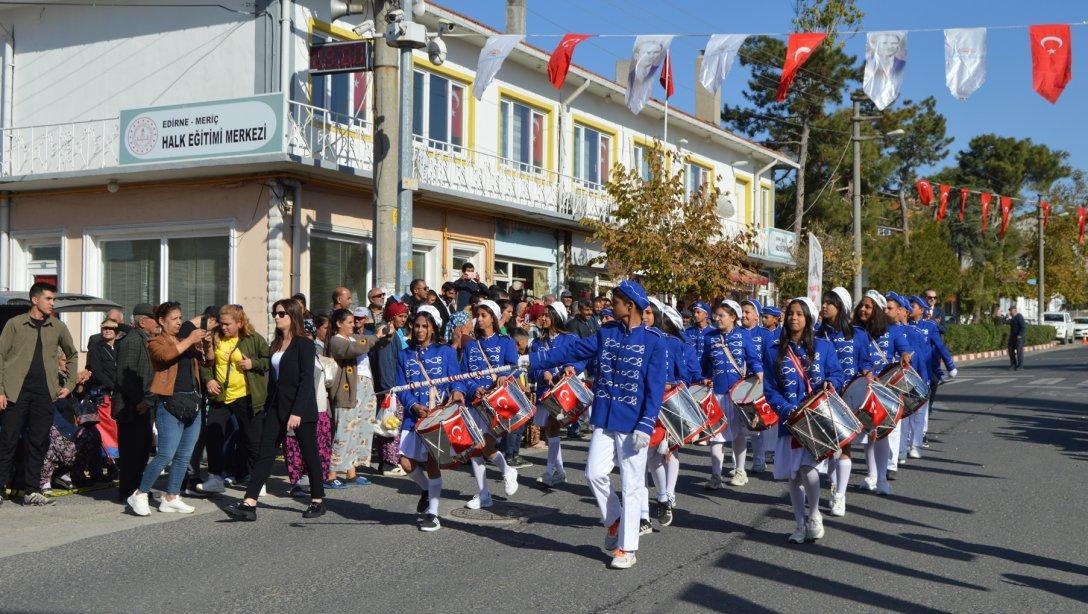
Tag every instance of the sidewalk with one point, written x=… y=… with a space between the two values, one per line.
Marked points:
x=965 y=358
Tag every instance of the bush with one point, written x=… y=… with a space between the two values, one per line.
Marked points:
x=983 y=337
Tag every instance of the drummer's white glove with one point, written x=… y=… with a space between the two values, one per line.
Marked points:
x=639 y=440
x=953 y=373
x=523 y=361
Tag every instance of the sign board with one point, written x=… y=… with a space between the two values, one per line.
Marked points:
x=330 y=58
x=202 y=130
x=780 y=243
x=815 y=269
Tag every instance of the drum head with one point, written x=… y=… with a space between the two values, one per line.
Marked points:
x=437 y=418
x=746 y=390
x=856 y=393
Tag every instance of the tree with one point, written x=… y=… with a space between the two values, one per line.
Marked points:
x=929 y=261
x=1066 y=262
x=674 y=242
x=821 y=83
x=839 y=262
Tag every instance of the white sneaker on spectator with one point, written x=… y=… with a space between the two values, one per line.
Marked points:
x=214 y=484
x=138 y=502
x=798 y=536
x=510 y=481
x=478 y=502
x=175 y=506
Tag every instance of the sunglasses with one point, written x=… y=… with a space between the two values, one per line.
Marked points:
x=374 y=296
x=279 y=314
x=931 y=297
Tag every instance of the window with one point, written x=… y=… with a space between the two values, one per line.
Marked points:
x=534 y=278
x=522 y=136
x=334 y=263
x=764 y=206
x=438 y=111
x=343 y=94
x=592 y=156
x=130 y=272
x=743 y=198
x=640 y=160
x=695 y=177
x=44 y=264
x=197 y=272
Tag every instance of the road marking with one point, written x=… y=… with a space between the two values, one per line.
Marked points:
x=1048 y=381
x=997 y=381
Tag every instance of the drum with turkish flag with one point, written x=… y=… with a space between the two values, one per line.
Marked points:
x=506 y=408
x=451 y=435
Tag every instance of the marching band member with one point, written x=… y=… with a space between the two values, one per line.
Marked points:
x=763 y=441
x=628 y=389
x=852 y=349
x=938 y=353
x=730 y=354
x=897 y=310
x=700 y=316
x=550 y=323
x=488 y=349
x=798 y=364
x=772 y=317
x=422 y=361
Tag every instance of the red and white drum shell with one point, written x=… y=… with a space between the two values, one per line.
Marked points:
x=910 y=385
x=875 y=405
x=716 y=421
x=680 y=415
x=568 y=399
x=823 y=424
x=451 y=435
x=506 y=408
x=747 y=396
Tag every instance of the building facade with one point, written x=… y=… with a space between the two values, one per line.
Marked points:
x=281 y=201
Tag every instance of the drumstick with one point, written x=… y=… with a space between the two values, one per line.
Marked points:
x=448 y=379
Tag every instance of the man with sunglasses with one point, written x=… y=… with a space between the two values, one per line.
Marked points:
x=936 y=313
x=374 y=308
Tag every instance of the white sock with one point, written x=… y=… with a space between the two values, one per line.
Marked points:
x=660 y=478
x=870 y=458
x=480 y=471
x=555 y=455
x=812 y=489
x=500 y=462
x=717 y=457
x=419 y=478
x=434 y=491
x=842 y=473
x=740 y=453
x=672 y=473
x=797 y=498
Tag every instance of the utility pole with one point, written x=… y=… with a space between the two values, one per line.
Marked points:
x=1042 y=258
x=855 y=127
x=386 y=147
x=407 y=184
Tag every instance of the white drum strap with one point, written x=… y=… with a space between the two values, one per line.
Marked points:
x=729 y=355
x=797 y=364
x=433 y=390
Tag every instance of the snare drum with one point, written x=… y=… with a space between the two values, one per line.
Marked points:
x=712 y=411
x=823 y=424
x=907 y=382
x=681 y=417
x=567 y=400
x=876 y=406
x=747 y=395
x=506 y=408
x=451 y=435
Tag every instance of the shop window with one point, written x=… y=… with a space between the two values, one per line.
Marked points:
x=131 y=272
x=522 y=136
x=337 y=263
x=592 y=156
x=438 y=111
x=534 y=278
x=197 y=272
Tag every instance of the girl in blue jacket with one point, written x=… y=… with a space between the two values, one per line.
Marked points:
x=750 y=317
x=730 y=355
x=918 y=422
x=552 y=335
x=796 y=366
x=486 y=350
x=423 y=360
x=898 y=311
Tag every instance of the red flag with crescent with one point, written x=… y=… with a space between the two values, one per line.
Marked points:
x=666 y=75
x=460 y=439
x=1045 y=206
x=1081 y=213
x=925 y=192
x=1006 y=210
x=945 y=190
x=559 y=63
x=964 y=192
x=986 y=198
x=798 y=50
x=1051 y=59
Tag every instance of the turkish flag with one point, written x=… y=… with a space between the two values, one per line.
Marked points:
x=964 y=192
x=1081 y=212
x=925 y=192
x=798 y=50
x=1051 y=59
x=986 y=197
x=1045 y=206
x=460 y=439
x=943 y=207
x=559 y=63
x=1006 y=210
x=666 y=75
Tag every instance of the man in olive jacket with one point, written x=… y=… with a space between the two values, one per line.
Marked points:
x=29 y=383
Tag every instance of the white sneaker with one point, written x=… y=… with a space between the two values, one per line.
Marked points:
x=560 y=477
x=740 y=478
x=138 y=502
x=883 y=489
x=838 y=505
x=510 y=481
x=622 y=559
x=798 y=536
x=814 y=527
x=263 y=492
x=177 y=505
x=902 y=460
x=214 y=484
x=868 y=484
x=914 y=453
x=548 y=479
x=478 y=502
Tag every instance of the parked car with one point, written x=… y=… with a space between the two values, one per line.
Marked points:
x=1080 y=328
x=13 y=303
x=1062 y=323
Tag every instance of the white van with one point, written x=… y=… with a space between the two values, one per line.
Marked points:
x=1062 y=323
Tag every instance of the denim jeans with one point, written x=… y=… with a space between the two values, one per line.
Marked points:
x=175 y=447
x=511 y=443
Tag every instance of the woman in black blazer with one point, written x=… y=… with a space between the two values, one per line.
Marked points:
x=291 y=405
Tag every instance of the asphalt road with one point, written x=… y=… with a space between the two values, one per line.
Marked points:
x=990 y=520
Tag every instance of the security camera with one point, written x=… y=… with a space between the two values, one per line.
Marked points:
x=436 y=50
x=365 y=29
x=394 y=16
x=445 y=25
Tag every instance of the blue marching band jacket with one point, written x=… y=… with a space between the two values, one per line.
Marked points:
x=500 y=350
x=938 y=352
x=440 y=361
x=695 y=337
x=716 y=365
x=683 y=368
x=854 y=354
x=888 y=348
x=631 y=371
x=544 y=344
x=784 y=387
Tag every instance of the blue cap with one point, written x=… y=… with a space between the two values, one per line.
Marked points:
x=634 y=291
x=771 y=310
x=898 y=298
x=606 y=312
x=700 y=305
x=754 y=303
x=917 y=300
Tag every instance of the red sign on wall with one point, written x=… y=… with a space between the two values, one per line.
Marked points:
x=341 y=56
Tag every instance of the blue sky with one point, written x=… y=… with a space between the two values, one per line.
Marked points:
x=1006 y=103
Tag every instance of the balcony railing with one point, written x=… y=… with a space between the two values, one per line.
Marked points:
x=58 y=148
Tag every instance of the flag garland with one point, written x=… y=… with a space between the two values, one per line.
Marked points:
x=1007 y=205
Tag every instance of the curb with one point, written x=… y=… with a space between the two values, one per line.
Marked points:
x=1000 y=353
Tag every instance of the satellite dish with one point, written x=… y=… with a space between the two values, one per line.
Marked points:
x=726 y=208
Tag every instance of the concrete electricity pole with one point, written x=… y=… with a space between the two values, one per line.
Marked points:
x=386 y=148
x=1042 y=264
x=855 y=137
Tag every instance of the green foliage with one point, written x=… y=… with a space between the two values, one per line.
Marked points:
x=986 y=336
x=929 y=262
x=839 y=263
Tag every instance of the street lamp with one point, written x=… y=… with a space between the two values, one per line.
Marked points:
x=857 y=139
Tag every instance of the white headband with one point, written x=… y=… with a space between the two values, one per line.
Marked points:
x=674 y=316
x=877 y=298
x=561 y=311
x=734 y=305
x=844 y=296
x=431 y=311
x=493 y=307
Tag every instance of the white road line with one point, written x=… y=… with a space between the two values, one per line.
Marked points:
x=1056 y=387
x=1048 y=381
x=997 y=381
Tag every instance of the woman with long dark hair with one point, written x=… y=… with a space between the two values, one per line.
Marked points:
x=291 y=405
x=797 y=365
x=550 y=322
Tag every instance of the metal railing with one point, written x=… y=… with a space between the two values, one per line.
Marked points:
x=57 y=148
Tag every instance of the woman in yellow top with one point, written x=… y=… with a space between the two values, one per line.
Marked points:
x=236 y=386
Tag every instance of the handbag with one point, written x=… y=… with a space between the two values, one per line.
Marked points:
x=184 y=405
